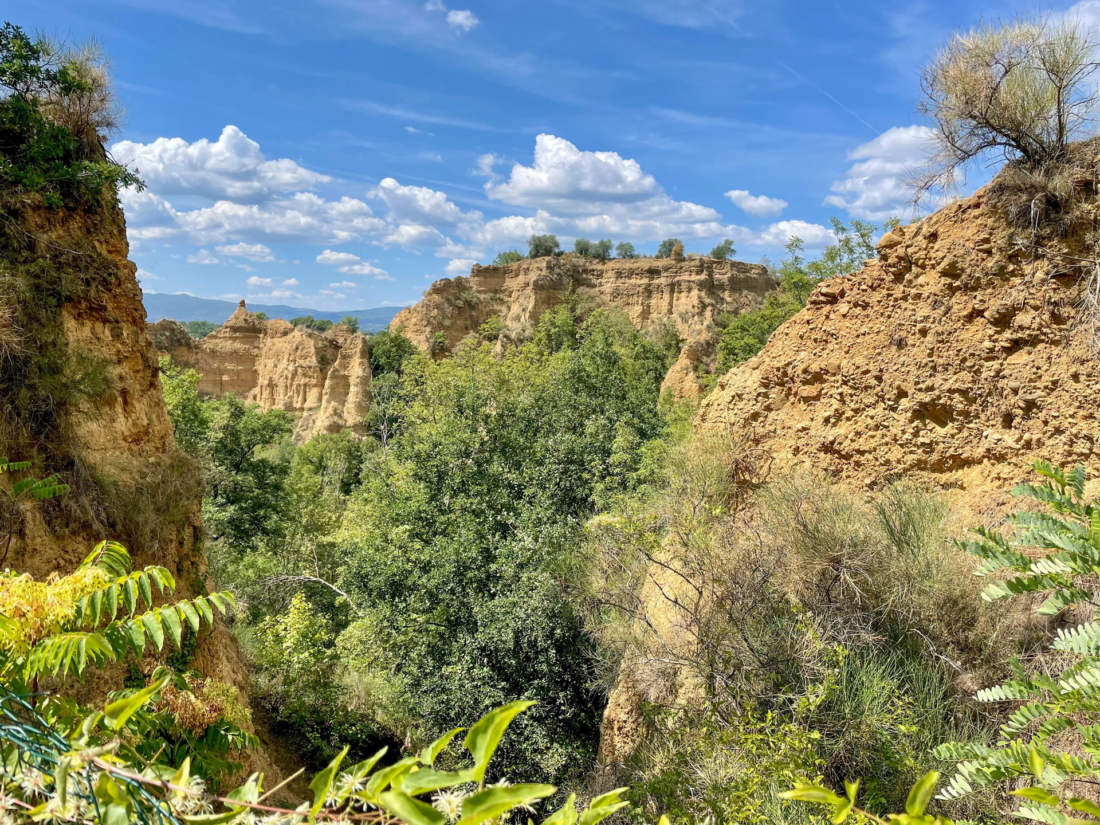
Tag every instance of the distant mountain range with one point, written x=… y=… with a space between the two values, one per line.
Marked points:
x=189 y=308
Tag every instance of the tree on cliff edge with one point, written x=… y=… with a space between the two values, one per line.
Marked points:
x=1021 y=90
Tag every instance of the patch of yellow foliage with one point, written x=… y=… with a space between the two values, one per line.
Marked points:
x=42 y=608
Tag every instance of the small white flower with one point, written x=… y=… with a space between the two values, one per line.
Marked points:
x=449 y=803
x=33 y=783
x=347 y=784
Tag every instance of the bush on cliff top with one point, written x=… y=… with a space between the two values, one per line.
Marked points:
x=55 y=105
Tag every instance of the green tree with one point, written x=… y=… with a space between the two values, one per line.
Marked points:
x=54 y=103
x=199 y=329
x=724 y=250
x=389 y=350
x=351 y=322
x=542 y=246
x=232 y=440
x=583 y=247
x=601 y=250
x=667 y=246
x=625 y=250
x=497 y=462
x=509 y=256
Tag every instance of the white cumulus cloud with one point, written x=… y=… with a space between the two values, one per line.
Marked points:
x=257 y=281
x=230 y=167
x=350 y=264
x=878 y=184
x=778 y=234
x=249 y=251
x=758 y=205
x=462 y=19
x=203 y=257
x=459 y=266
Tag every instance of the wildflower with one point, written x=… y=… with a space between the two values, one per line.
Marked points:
x=449 y=803
x=33 y=783
x=192 y=799
x=347 y=784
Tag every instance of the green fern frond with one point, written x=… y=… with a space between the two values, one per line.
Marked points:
x=1083 y=639
x=127 y=591
x=110 y=556
x=67 y=654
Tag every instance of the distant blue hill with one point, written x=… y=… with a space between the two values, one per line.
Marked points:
x=189 y=308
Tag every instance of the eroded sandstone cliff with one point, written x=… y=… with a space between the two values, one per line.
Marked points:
x=81 y=398
x=955 y=359
x=322 y=378
x=688 y=293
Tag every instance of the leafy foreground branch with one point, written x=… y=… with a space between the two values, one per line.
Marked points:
x=59 y=763
x=51 y=777
x=1048 y=750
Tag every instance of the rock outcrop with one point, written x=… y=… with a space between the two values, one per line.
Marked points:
x=689 y=293
x=81 y=397
x=955 y=359
x=322 y=378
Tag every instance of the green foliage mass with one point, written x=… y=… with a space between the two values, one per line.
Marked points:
x=199 y=329
x=315 y=324
x=245 y=485
x=389 y=350
x=625 y=250
x=664 y=250
x=542 y=246
x=723 y=251
x=600 y=250
x=37 y=153
x=451 y=546
x=509 y=256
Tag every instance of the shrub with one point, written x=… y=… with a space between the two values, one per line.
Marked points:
x=542 y=246
x=509 y=256
x=1022 y=90
x=667 y=246
x=55 y=104
x=351 y=322
x=199 y=329
x=315 y=324
x=842 y=617
x=723 y=251
x=491 y=329
x=389 y=350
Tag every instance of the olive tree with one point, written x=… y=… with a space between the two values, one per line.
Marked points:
x=542 y=246
x=1022 y=90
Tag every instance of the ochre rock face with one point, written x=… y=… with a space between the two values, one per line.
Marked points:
x=130 y=482
x=689 y=293
x=323 y=379
x=956 y=357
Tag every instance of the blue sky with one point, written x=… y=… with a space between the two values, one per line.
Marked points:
x=345 y=153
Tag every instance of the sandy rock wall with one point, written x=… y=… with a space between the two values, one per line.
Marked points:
x=955 y=359
x=689 y=293
x=323 y=379
x=114 y=445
